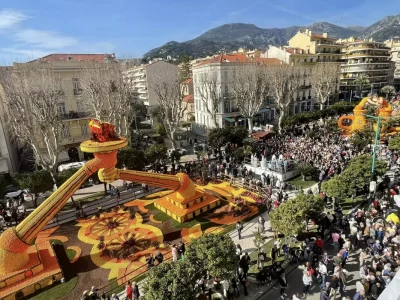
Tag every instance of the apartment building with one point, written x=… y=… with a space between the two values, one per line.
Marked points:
x=307 y=49
x=394 y=46
x=143 y=77
x=325 y=48
x=72 y=110
x=365 y=59
x=222 y=67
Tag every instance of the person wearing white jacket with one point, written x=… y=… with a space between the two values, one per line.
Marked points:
x=307 y=281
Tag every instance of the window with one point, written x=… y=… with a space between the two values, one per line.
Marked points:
x=226 y=89
x=61 y=109
x=75 y=83
x=65 y=132
x=226 y=75
x=227 y=107
x=80 y=107
x=84 y=130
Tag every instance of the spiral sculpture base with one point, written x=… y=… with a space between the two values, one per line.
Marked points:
x=23 y=265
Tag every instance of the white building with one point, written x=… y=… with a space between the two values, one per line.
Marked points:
x=9 y=156
x=221 y=68
x=395 y=57
x=369 y=59
x=143 y=77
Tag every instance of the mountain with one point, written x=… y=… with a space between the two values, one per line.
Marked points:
x=357 y=28
x=232 y=36
x=387 y=28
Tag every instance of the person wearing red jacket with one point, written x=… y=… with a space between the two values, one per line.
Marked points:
x=319 y=243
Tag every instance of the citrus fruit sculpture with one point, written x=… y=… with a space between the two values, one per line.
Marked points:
x=17 y=244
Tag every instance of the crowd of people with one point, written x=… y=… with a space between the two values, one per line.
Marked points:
x=11 y=212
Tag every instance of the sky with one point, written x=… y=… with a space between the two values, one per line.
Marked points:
x=129 y=28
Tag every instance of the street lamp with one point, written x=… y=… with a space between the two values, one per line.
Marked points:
x=378 y=129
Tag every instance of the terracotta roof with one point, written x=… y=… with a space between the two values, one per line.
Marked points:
x=188 y=81
x=188 y=99
x=75 y=57
x=181 y=212
x=291 y=50
x=238 y=58
x=320 y=36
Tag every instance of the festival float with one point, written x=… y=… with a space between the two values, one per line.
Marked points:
x=374 y=106
x=28 y=266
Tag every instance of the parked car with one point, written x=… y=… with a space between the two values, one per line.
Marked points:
x=197 y=146
x=14 y=192
x=181 y=151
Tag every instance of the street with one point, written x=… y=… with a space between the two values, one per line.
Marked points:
x=296 y=284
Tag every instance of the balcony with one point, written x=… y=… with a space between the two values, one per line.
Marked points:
x=74 y=139
x=367 y=54
x=366 y=47
x=77 y=91
x=327 y=51
x=305 y=87
x=74 y=115
x=363 y=69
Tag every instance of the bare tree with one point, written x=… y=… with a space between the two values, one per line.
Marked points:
x=107 y=94
x=30 y=100
x=285 y=82
x=208 y=88
x=250 y=88
x=168 y=91
x=323 y=79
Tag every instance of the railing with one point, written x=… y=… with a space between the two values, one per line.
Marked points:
x=74 y=115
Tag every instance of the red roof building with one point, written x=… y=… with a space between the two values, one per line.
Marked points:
x=76 y=57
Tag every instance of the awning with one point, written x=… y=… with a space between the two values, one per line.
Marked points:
x=259 y=135
x=232 y=119
x=264 y=110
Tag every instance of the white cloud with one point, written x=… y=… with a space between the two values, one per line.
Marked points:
x=10 y=18
x=44 y=39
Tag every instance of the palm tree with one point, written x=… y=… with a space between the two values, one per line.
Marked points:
x=388 y=90
x=361 y=81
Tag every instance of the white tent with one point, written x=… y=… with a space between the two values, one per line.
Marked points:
x=392 y=291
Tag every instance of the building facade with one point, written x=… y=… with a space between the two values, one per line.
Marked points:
x=72 y=110
x=143 y=77
x=394 y=46
x=365 y=59
x=307 y=49
x=188 y=101
x=222 y=68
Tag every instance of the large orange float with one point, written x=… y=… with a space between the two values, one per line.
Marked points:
x=22 y=264
x=380 y=108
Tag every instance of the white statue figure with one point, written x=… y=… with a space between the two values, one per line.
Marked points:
x=263 y=162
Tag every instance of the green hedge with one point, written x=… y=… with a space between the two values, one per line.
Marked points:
x=338 y=108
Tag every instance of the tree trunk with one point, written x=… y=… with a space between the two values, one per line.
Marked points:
x=54 y=177
x=105 y=188
x=281 y=115
x=215 y=121
x=250 y=123
x=321 y=106
x=73 y=201
x=35 y=200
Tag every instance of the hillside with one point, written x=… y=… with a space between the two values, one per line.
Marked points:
x=230 y=37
